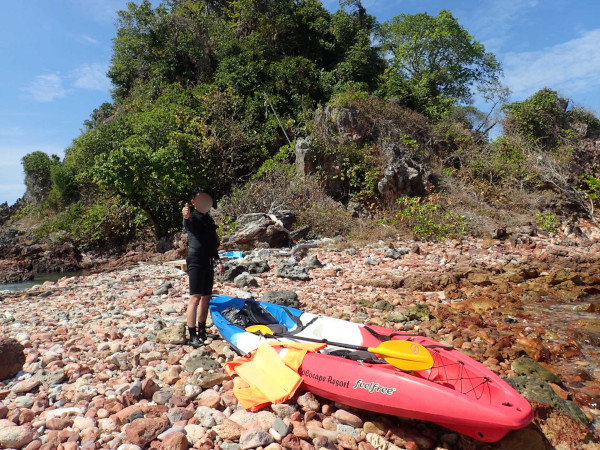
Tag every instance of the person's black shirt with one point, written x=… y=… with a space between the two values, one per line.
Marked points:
x=203 y=241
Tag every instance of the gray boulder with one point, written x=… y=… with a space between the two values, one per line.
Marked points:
x=232 y=270
x=404 y=173
x=244 y=279
x=538 y=390
x=258 y=266
x=292 y=271
x=256 y=229
x=174 y=334
x=200 y=360
x=284 y=298
x=163 y=288
x=313 y=262
x=527 y=366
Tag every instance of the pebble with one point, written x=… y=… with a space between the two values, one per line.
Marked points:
x=230 y=430
x=347 y=429
x=283 y=409
x=347 y=441
x=254 y=438
x=209 y=398
x=143 y=431
x=97 y=351
x=175 y=441
x=380 y=443
x=348 y=418
x=24 y=402
x=162 y=397
x=371 y=427
x=16 y=436
x=25 y=386
x=83 y=423
x=308 y=402
x=194 y=432
x=314 y=432
x=280 y=427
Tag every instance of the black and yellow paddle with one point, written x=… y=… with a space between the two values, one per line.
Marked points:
x=405 y=355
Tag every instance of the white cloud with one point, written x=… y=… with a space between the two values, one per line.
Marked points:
x=91 y=76
x=46 y=88
x=11 y=132
x=89 y=39
x=492 y=21
x=570 y=67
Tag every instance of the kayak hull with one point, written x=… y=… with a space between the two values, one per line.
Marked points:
x=457 y=392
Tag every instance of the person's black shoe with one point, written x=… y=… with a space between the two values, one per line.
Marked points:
x=202 y=335
x=202 y=331
x=195 y=341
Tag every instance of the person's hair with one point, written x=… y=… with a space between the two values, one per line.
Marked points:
x=201 y=190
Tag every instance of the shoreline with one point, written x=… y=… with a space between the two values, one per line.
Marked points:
x=490 y=299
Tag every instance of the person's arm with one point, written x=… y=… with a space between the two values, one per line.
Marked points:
x=185 y=213
x=217 y=258
x=188 y=220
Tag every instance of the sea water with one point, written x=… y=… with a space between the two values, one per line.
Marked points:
x=38 y=278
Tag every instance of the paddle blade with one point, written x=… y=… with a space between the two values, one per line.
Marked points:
x=405 y=354
x=265 y=330
x=409 y=366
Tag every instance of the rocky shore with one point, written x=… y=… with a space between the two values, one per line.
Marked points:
x=97 y=361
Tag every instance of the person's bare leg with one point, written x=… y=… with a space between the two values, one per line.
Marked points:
x=193 y=310
x=202 y=315
x=203 y=308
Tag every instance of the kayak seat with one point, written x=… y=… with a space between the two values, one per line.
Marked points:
x=330 y=329
x=250 y=314
x=358 y=355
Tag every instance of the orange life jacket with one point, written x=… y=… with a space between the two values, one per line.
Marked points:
x=269 y=374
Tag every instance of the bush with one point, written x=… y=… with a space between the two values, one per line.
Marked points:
x=351 y=138
x=429 y=220
x=591 y=188
x=539 y=119
x=64 y=180
x=547 y=221
x=585 y=122
x=107 y=222
x=504 y=163
x=280 y=188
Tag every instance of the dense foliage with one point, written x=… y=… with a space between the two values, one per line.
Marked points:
x=210 y=92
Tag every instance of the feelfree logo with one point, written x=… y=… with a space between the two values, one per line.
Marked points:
x=373 y=387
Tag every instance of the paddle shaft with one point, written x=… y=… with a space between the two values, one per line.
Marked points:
x=404 y=361
x=325 y=341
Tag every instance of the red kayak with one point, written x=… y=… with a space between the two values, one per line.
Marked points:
x=457 y=392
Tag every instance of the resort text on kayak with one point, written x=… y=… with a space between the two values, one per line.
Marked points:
x=329 y=379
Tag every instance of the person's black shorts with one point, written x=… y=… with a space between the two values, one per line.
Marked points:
x=201 y=277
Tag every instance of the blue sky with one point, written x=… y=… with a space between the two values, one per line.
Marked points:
x=54 y=56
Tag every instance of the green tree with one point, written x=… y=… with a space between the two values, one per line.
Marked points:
x=159 y=47
x=185 y=138
x=434 y=61
x=38 y=168
x=541 y=118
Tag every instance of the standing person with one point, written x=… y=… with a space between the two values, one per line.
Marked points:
x=202 y=254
